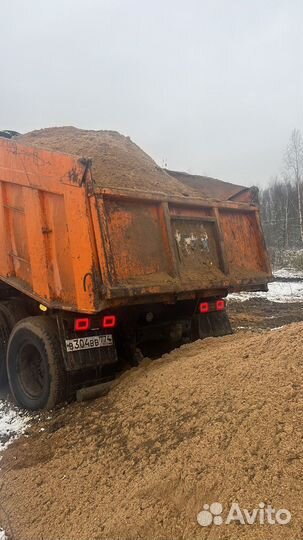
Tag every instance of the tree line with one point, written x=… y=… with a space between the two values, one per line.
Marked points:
x=281 y=203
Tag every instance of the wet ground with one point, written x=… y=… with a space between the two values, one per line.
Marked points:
x=282 y=304
x=258 y=313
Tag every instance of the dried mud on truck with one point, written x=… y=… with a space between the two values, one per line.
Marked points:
x=104 y=257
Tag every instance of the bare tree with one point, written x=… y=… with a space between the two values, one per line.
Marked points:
x=286 y=235
x=280 y=215
x=294 y=168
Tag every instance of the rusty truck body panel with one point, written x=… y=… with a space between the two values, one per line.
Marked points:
x=71 y=245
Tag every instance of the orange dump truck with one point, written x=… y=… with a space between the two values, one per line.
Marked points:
x=97 y=264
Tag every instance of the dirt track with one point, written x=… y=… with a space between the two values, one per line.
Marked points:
x=257 y=313
x=218 y=420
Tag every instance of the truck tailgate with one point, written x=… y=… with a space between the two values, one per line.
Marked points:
x=152 y=245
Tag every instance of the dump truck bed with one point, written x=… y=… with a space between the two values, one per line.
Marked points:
x=75 y=245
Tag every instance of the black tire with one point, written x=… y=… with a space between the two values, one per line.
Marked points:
x=11 y=311
x=4 y=336
x=35 y=366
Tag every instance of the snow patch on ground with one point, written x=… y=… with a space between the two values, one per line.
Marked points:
x=2 y=535
x=278 y=291
x=13 y=423
x=288 y=273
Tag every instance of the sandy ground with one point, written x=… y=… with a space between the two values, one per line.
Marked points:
x=215 y=421
x=246 y=311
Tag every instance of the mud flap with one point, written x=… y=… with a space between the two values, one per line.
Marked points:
x=213 y=325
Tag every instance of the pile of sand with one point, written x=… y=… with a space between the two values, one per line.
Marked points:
x=218 y=420
x=116 y=160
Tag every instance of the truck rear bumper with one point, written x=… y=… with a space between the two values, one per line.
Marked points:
x=88 y=349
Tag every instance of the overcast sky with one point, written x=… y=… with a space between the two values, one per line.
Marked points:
x=211 y=86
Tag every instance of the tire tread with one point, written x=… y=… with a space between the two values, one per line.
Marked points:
x=45 y=328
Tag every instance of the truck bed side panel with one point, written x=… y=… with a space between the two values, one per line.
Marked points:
x=47 y=243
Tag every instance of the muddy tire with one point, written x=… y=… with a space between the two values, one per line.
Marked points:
x=11 y=311
x=4 y=336
x=35 y=367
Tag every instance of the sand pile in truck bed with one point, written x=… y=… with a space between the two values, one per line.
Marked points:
x=215 y=421
x=116 y=160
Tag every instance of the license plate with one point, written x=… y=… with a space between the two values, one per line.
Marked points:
x=92 y=342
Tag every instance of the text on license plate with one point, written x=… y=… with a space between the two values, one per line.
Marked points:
x=91 y=342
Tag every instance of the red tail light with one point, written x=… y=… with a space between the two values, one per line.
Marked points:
x=109 y=321
x=220 y=305
x=204 y=307
x=81 y=325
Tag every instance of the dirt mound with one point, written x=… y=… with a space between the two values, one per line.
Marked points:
x=117 y=161
x=215 y=421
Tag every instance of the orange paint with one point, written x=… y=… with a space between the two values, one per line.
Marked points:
x=74 y=247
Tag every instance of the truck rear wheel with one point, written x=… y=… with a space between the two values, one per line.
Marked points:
x=11 y=311
x=34 y=364
x=4 y=335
